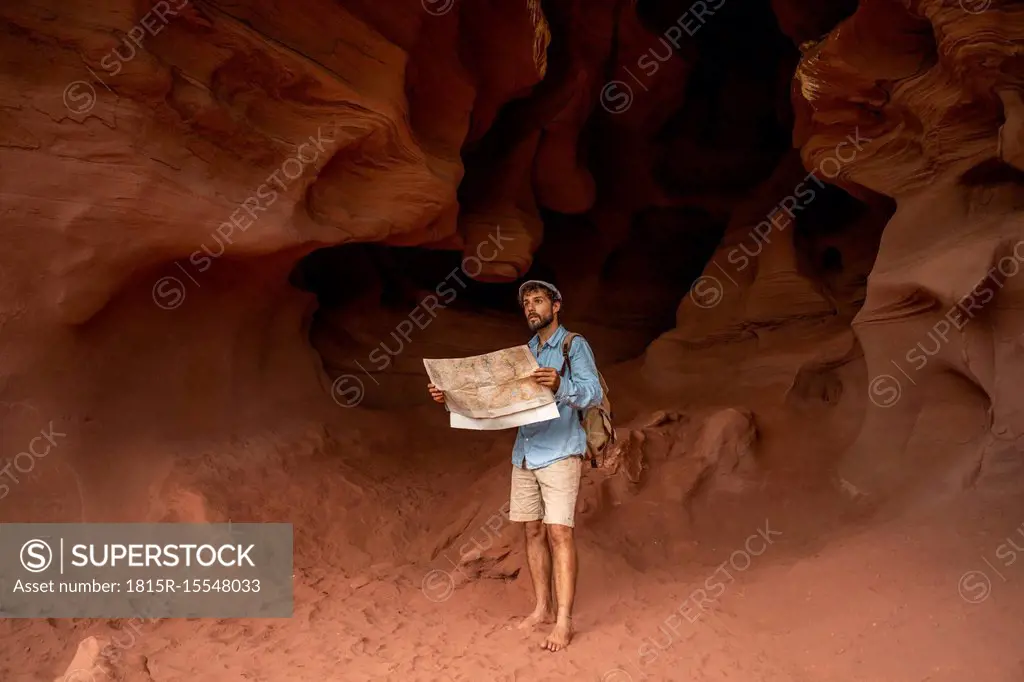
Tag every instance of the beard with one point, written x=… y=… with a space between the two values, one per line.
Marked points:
x=540 y=321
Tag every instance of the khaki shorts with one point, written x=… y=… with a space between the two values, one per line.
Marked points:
x=547 y=493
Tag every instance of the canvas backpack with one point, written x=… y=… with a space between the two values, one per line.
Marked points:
x=596 y=420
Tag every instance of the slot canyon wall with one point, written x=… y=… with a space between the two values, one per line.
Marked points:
x=212 y=223
x=938 y=326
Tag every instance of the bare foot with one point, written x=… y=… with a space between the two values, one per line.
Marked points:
x=538 y=616
x=559 y=637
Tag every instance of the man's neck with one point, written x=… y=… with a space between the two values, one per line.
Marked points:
x=545 y=333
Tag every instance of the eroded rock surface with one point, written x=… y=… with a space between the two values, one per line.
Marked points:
x=939 y=319
x=165 y=167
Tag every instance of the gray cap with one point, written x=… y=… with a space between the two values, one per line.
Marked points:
x=556 y=295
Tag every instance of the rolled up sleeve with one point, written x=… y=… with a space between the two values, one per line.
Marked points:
x=583 y=388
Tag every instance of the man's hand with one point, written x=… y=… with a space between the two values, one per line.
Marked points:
x=547 y=376
x=436 y=393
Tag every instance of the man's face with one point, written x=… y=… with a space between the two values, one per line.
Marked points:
x=538 y=308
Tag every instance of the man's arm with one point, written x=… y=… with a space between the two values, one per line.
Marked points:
x=583 y=388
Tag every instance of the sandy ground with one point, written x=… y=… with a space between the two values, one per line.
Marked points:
x=886 y=604
x=788 y=583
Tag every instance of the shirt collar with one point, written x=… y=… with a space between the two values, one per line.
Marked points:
x=553 y=341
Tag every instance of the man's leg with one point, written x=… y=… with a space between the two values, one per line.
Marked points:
x=526 y=507
x=560 y=485
x=539 y=558
x=563 y=545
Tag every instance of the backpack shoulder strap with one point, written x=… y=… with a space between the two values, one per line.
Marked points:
x=566 y=346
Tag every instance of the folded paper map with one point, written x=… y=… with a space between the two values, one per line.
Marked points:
x=492 y=391
x=509 y=421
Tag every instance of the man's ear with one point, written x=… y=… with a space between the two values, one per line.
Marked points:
x=556 y=306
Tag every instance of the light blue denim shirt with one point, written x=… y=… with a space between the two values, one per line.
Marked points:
x=538 y=445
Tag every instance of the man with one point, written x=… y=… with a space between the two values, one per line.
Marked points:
x=547 y=461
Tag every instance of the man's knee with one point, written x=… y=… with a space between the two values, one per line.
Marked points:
x=534 y=529
x=560 y=535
